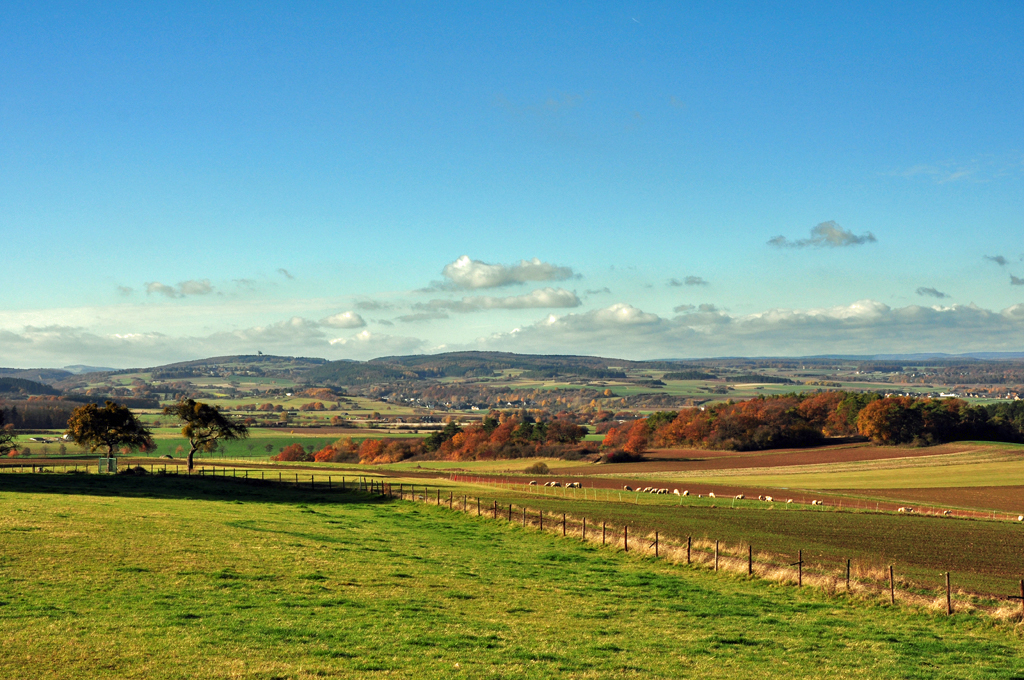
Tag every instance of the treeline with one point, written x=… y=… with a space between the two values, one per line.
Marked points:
x=22 y=386
x=551 y=372
x=693 y=374
x=38 y=414
x=758 y=378
x=499 y=437
x=809 y=419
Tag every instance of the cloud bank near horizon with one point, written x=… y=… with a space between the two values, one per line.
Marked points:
x=619 y=330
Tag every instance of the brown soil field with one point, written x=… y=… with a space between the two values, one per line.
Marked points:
x=683 y=460
x=1004 y=498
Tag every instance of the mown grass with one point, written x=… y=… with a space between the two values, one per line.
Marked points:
x=172 y=578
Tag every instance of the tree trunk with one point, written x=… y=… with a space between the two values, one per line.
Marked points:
x=191 y=452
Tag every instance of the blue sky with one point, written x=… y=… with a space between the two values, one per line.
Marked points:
x=179 y=182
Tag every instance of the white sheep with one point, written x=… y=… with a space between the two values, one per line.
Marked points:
x=739 y=497
x=769 y=499
x=711 y=494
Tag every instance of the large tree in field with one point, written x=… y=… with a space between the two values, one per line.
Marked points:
x=6 y=436
x=204 y=426
x=112 y=426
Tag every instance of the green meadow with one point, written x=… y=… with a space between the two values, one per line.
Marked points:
x=164 y=577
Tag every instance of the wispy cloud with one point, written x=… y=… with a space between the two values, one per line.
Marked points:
x=825 y=235
x=981 y=168
x=541 y=298
x=373 y=305
x=125 y=290
x=1014 y=281
x=285 y=273
x=931 y=292
x=688 y=281
x=998 y=259
x=421 y=316
x=598 y=291
x=184 y=288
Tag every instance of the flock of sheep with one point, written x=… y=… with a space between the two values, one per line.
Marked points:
x=711 y=494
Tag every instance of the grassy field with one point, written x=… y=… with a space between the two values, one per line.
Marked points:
x=115 y=577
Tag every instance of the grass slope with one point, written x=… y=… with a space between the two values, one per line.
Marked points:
x=171 y=578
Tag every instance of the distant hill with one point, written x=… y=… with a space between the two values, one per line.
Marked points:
x=469 y=364
x=47 y=376
x=79 y=369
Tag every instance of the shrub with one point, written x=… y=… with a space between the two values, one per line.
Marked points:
x=538 y=468
x=619 y=456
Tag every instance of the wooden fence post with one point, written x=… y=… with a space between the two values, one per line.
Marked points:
x=750 y=560
x=949 y=601
x=892 y=587
x=799 y=564
x=563 y=525
x=625 y=539
x=509 y=512
x=584 y=528
x=477 y=506
x=495 y=509
x=604 y=531
x=451 y=498
x=687 y=549
x=524 y=516
x=847 y=574
x=716 y=555
x=655 y=544
x=540 y=515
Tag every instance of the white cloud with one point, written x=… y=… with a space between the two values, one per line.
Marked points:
x=161 y=289
x=465 y=273
x=366 y=345
x=344 y=320
x=931 y=292
x=195 y=287
x=825 y=235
